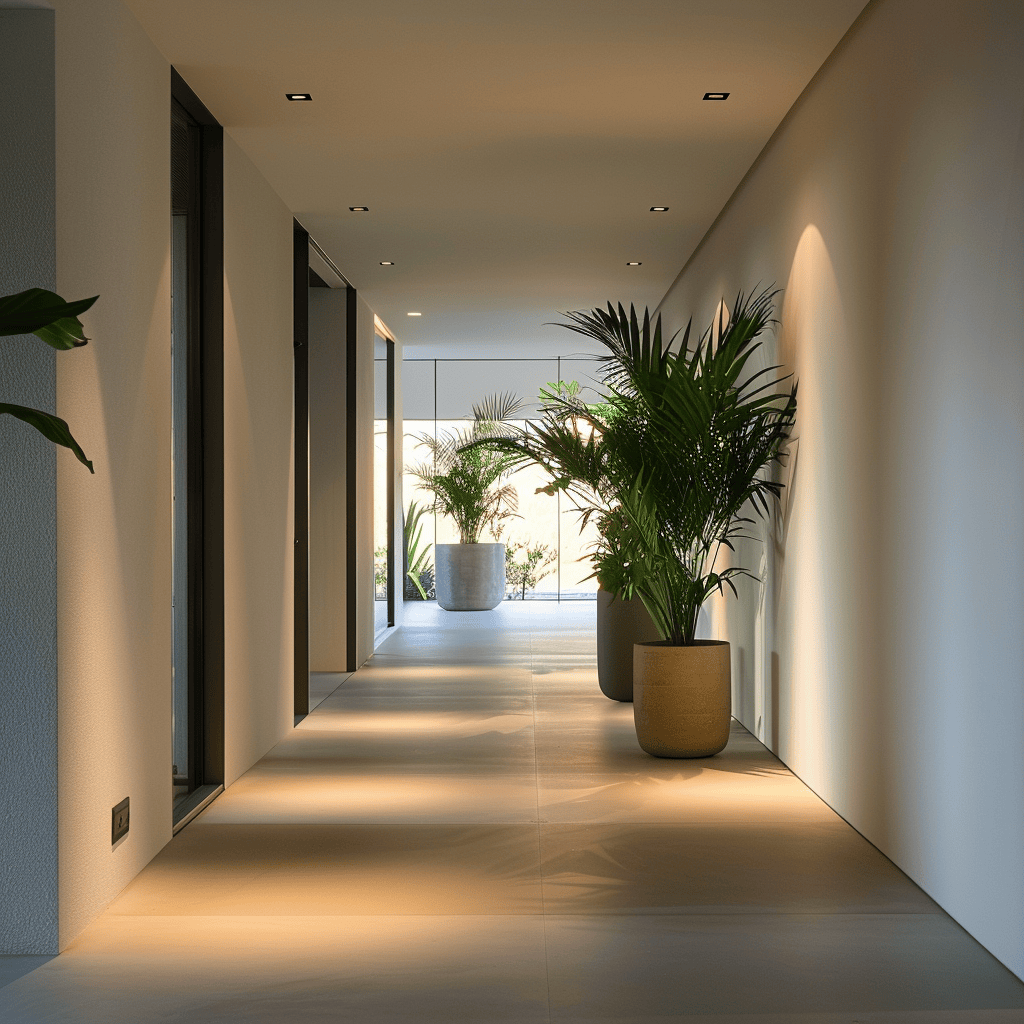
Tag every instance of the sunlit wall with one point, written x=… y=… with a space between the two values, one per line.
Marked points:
x=882 y=655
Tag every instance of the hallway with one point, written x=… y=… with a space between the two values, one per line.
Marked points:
x=466 y=830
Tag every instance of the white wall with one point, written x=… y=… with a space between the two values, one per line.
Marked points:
x=114 y=551
x=890 y=207
x=113 y=540
x=258 y=465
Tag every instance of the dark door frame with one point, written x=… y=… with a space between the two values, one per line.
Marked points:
x=394 y=560
x=205 y=453
x=351 y=471
x=300 y=343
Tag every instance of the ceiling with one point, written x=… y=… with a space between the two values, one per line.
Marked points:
x=509 y=150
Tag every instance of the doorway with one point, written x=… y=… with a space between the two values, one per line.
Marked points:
x=197 y=454
x=384 y=547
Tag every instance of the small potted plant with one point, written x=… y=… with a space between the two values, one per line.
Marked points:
x=467 y=485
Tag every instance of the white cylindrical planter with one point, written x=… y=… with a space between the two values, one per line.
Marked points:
x=469 y=577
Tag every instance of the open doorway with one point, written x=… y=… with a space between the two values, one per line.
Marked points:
x=197 y=454
x=384 y=554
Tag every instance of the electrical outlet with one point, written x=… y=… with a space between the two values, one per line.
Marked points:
x=119 y=821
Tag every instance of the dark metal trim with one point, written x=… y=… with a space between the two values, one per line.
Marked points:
x=205 y=371
x=194 y=452
x=390 y=412
x=193 y=805
x=351 y=470
x=300 y=342
x=315 y=246
x=197 y=110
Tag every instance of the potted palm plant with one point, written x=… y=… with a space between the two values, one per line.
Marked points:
x=689 y=450
x=570 y=441
x=467 y=485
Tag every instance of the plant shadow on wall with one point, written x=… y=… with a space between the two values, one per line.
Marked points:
x=46 y=315
x=469 y=485
x=674 y=462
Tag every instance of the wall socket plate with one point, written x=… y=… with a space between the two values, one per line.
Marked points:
x=119 y=821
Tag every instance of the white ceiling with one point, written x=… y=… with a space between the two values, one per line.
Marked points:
x=509 y=150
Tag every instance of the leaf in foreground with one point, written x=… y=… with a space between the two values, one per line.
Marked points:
x=53 y=428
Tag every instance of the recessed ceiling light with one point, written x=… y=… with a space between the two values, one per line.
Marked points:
x=634 y=263
x=386 y=263
x=716 y=95
x=359 y=209
x=414 y=314
x=299 y=97
x=659 y=209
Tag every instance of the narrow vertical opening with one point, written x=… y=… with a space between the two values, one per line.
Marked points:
x=197 y=452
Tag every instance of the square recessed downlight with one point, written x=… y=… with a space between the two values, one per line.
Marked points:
x=299 y=97
x=359 y=209
x=386 y=263
x=414 y=314
x=634 y=263
x=716 y=95
x=659 y=209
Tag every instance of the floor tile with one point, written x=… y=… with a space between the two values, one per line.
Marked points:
x=728 y=867
x=272 y=798
x=679 y=793
x=467 y=830
x=296 y=870
x=410 y=742
x=227 y=970
x=754 y=964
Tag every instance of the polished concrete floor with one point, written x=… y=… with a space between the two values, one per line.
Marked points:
x=466 y=830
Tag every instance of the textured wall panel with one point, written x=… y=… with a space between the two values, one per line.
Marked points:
x=28 y=495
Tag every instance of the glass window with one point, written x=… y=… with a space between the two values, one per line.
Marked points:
x=547 y=554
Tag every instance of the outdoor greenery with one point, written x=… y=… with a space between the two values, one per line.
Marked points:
x=46 y=315
x=683 y=446
x=380 y=574
x=419 y=571
x=526 y=564
x=467 y=482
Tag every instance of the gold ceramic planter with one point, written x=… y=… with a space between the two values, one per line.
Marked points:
x=682 y=698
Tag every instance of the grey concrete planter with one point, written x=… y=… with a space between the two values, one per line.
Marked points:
x=469 y=577
x=620 y=625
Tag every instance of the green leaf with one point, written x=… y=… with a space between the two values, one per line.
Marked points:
x=417 y=584
x=51 y=427
x=45 y=314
